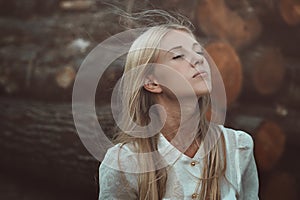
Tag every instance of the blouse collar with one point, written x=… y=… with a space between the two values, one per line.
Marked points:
x=171 y=154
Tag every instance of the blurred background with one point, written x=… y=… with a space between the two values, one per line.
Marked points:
x=255 y=44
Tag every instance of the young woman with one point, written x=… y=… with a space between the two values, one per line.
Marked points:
x=163 y=153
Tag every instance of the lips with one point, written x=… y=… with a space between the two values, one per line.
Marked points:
x=200 y=74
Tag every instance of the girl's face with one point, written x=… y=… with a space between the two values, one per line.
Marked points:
x=184 y=56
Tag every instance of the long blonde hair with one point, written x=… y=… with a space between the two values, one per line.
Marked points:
x=152 y=184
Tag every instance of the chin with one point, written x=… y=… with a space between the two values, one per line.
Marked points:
x=202 y=91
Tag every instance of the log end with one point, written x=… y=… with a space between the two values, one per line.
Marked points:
x=290 y=11
x=269 y=144
x=216 y=19
x=229 y=66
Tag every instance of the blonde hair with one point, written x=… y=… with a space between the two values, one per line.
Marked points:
x=152 y=184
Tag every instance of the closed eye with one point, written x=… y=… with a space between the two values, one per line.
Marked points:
x=200 y=52
x=177 y=56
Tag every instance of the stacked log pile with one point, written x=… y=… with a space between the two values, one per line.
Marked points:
x=264 y=106
x=255 y=45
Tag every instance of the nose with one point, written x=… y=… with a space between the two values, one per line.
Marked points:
x=197 y=60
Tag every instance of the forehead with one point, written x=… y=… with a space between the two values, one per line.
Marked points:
x=177 y=38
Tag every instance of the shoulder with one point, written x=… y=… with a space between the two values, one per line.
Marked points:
x=239 y=146
x=114 y=184
x=117 y=167
x=119 y=150
x=239 y=155
x=237 y=138
x=121 y=158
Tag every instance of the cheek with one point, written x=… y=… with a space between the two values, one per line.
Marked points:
x=180 y=67
x=173 y=78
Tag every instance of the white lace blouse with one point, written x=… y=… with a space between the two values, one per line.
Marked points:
x=240 y=181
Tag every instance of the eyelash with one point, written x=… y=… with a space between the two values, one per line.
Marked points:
x=181 y=55
x=177 y=56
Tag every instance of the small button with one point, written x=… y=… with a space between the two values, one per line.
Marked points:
x=193 y=163
x=194 y=196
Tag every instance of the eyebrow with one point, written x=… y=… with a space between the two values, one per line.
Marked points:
x=177 y=47
x=194 y=44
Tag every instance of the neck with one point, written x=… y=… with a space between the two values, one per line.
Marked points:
x=187 y=126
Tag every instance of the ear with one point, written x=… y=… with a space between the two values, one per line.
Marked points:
x=152 y=85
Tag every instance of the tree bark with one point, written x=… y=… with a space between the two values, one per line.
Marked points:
x=40 y=56
x=43 y=83
x=40 y=139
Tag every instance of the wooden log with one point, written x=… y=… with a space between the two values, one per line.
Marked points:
x=270 y=144
x=40 y=140
x=284 y=175
x=264 y=72
x=276 y=32
x=37 y=64
x=269 y=139
x=53 y=83
x=270 y=78
x=216 y=19
x=229 y=66
x=61 y=29
x=41 y=83
x=290 y=11
x=286 y=11
x=280 y=185
x=282 y=39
